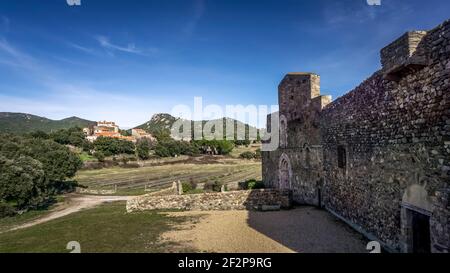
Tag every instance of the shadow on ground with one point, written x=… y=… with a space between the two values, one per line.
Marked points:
x=307 y=230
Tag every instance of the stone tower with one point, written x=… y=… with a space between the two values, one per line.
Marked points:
x=300 y=105
x=296 y=92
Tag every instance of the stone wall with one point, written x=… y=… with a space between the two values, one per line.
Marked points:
x=403 y=51
x=394 y=134
x=382 y=151
x=96 y=192
x=234 y=200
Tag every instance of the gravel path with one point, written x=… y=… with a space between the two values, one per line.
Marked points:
x=73 y=203
x=304 y=230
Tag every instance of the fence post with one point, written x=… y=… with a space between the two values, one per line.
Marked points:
x=179 y=187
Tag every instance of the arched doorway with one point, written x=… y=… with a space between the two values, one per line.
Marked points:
x=285 y=173
x=415 y=219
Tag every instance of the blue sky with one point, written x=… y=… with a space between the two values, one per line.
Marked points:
x=126 y=60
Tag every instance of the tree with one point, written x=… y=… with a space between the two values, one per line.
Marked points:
x=162 y=135
x=113 y=146
x=225 y=147
x=100 y=156
x=39 y=134
x=87 y=146
x=58 y=161
x=23 y=182
x=143 y=150
x=32 y=170
x=162 y=151
x=72 y=136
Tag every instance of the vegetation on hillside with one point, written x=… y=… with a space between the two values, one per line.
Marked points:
x=161 y=124
x=113 y=146
x=19 y=123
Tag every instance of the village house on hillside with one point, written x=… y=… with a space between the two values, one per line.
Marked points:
x=140 y=133
x=111 y=129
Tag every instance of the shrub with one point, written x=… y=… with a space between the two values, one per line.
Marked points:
x=113 y=146
x=254 y=185
x=131 y=165
x=225 y=147
x=171 y=148
x=125 y=160
x=213 y=186
x=162 y=151
x=187 y=187
x=7 y=210
x=258 y=154
x=247 y=155
x=143 y=150
x=73 y=136
x=222 y=147
x=100 y=156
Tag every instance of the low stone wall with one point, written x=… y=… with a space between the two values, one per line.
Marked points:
x=96 y=192
x=233 y=200
x=174 y=189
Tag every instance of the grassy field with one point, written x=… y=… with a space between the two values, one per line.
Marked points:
x=7 y=223
x=107 y=228
x=133 y=181
x=86 y=157
x=241 y=149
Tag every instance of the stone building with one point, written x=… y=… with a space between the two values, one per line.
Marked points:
x=379 y=156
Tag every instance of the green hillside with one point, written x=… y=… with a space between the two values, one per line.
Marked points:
x=19 y=123
x=163 y=122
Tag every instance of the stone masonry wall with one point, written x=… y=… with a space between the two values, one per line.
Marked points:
x=400 y=52
x=382 y=151
x=395 y=134
x=234 y=200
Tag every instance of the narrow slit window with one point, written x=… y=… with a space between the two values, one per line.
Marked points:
x=342 y=157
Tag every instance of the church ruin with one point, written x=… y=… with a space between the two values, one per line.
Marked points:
x=379 y=156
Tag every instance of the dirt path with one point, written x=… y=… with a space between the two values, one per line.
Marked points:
x=304 y=230
x=72 y=203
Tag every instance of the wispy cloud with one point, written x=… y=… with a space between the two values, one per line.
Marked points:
x=12 y=56
x=81 y=48
x=129 y=48
x=198 y=12
x=60 y=95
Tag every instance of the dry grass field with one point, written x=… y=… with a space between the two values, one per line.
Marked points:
x=156 y=175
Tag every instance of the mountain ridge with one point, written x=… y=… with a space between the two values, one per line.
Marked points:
x=21 y=123
x=163 y=122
